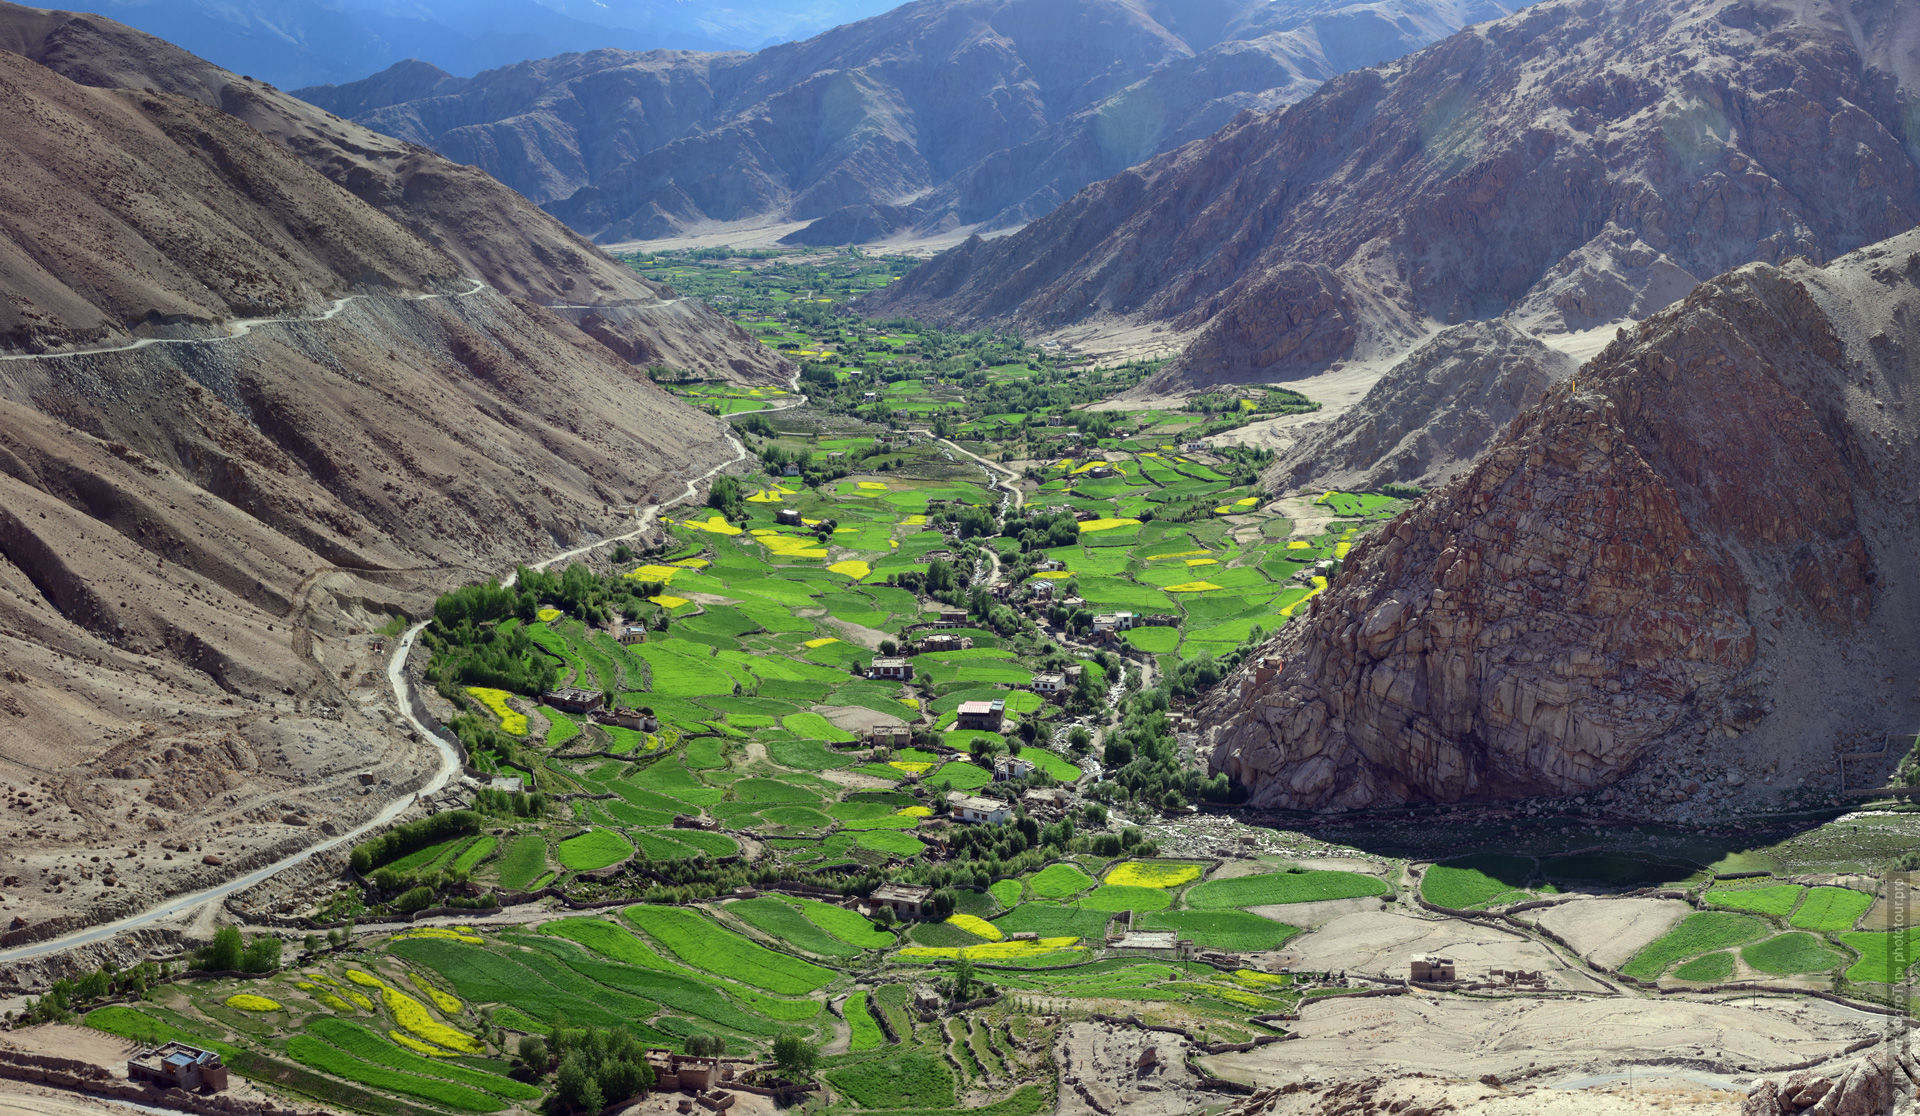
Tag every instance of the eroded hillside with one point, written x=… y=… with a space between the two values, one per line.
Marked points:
x=355 y=401
x=1692 y=565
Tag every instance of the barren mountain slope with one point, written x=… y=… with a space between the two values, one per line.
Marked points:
x=1578 y=163
x=1699 y=568
x=1427 y=417
x=489 y=231
x=936 y=114
x=197 y=536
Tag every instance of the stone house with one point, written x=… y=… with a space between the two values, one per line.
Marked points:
x=788 y=517
x=891 y=667
x=986 y=716
x=973 y=808
x=573 y=699
x=905 y=900
x=178 y=1066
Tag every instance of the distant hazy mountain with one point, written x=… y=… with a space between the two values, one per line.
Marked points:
x=938 y=114
x=307 y=42
x=1577 y=164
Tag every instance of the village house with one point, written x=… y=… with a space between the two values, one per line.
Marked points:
x=1432 y=968
x=973 y=808
x=787 y=517
x=178 y=1066
x=951 y=618
x=1101 y=472
x=682 y=1073
x=1040 y=587
x=1193 y=447
x=892 y=668
x=632 y=633
x=943 y=642
x=985 y=716
x=1010 y=767
x=1049 y=683
x=573 y=699
x=1160 y=620
x=639 y=720
x=905 y=900
x=896 y=737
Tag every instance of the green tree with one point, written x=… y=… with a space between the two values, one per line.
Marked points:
x=262 y=955
x=533 y=1052
x=795 y=1055
x=227 y=952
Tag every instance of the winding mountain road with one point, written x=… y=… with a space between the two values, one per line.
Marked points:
x=240 y=327
x=450 y=764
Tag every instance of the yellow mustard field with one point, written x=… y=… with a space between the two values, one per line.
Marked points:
x=512 y=722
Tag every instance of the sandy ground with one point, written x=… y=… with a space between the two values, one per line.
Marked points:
x=57 y=1040
x=1609 y=931
x=1380 y=943
x=1471 y=1098
x=20 y=1099
x=744 y=1104
x=1546 y=1041
x=1099 y=1072
x=857 y=718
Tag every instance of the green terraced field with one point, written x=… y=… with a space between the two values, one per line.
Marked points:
x=1793 y=953
x=596 y=848
x=1704 y=932
x=1831 y=909
x=1474 y=880
x=1283 y=887
x=1223 y=929
x=1057 y=881
x=705 y=945
x=1773 y=901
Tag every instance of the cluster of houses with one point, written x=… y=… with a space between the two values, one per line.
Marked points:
x=593 y=704
x=1108 y=625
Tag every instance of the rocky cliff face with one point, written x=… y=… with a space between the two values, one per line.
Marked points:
x=938 y=114
x=202 y=516
x=1578 y=163
x=1693 y=563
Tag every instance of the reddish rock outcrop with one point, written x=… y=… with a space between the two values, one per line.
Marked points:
x=1708 y=518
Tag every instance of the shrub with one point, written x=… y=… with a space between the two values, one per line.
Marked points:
x=403 y=839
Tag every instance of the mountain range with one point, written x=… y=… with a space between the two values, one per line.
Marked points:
x=266 y=377
x=308 y=42
x=1577 y=165
x=936 y=116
